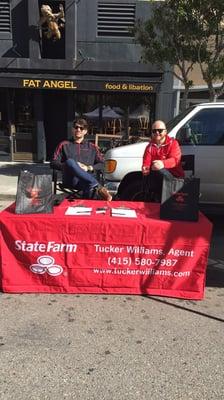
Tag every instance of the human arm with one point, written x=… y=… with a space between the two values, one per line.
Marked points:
x=58 y=159
x=87 y=168
x=147 y=159
x=98 y=162
x=171 y=160
x=157 y=165
x=174 y=155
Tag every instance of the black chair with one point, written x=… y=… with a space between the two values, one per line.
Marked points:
x=57 y=183
x=188 y=165
x=69 y=191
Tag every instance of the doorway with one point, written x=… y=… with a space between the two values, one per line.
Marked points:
x=5 y=138
x=23 y=127
x=55 y=119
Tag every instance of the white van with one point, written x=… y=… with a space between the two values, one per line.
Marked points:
x=200 y=131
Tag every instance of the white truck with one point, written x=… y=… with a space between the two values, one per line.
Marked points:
x=200 y=131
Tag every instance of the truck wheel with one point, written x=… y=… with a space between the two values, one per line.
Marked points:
x=133 y=192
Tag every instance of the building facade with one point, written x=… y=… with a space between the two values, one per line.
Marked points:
x=90 y=67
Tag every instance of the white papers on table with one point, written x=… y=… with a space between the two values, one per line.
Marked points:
x=123 y=212
x=78 y=211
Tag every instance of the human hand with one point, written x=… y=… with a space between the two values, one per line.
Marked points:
x=157 y=165
x=83 y=166
x=145 y=170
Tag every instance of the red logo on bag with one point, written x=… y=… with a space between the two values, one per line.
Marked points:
x=34 y=195
x=180 y=198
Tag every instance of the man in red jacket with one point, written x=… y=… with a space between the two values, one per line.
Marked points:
x=162 y=158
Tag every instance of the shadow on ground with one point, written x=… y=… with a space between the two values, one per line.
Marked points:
x=14 y=169
x=214 y=277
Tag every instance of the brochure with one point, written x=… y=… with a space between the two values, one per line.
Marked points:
x=76 y=210
x=123 y=212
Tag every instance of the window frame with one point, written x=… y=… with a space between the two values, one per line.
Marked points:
x=195 y=138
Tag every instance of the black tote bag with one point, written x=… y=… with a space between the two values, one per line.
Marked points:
x=180 y=199
x=34 y=193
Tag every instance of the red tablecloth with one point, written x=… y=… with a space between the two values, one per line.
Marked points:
x=57 y=253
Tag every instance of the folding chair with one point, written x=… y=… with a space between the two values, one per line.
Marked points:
x=69 y=191
x=144 y=124
x=114 y=126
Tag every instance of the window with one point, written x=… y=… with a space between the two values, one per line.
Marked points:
x=5 y=18
x=116 y=113
x=205 y=128
x=115 y=19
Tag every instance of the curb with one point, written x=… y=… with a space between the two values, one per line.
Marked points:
x=5 y=196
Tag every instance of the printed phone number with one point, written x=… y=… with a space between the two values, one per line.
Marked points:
x=142 y=262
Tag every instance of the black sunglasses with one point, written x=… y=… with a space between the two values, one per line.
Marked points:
x=158 y=130
x=79 y=127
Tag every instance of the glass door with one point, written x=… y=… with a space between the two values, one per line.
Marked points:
x=24 y=133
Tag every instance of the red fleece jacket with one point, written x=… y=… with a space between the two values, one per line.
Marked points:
x=169 y=152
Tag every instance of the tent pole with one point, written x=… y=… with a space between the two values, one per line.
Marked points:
x=126 y=135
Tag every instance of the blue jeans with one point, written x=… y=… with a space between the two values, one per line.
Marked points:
x=74 y=176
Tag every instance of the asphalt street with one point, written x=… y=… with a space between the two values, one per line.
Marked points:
x=113 y=347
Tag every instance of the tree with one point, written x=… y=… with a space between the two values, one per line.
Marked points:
x=182 y=33
x=210 y=21
x=168 y=39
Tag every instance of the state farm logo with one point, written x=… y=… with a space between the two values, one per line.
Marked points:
x=46 y=264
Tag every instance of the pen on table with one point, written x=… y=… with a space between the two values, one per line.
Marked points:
x=78 y=206
x=118 y=214
x=83 y=212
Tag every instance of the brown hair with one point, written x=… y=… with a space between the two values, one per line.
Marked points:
x=81 y=122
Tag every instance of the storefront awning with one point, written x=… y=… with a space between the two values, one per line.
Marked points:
x=81 y=83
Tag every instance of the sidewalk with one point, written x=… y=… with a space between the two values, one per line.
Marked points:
x=9 y=172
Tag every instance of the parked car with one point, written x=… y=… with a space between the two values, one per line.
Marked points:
x=200 y=131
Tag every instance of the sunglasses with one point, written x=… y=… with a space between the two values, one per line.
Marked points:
x=79 y=127
x=158 y=131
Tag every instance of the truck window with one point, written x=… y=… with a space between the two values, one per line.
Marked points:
x=173 y=122
x=205 y=128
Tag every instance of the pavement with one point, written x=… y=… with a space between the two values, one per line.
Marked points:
x=9 y=172
x=109 y=347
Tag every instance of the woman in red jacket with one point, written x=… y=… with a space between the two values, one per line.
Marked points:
x=162 y=158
